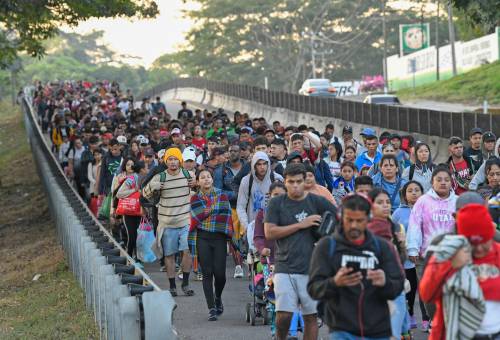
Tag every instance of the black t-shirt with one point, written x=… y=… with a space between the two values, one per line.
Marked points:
x=293 y=252
x=476 y=157
x=185 y=114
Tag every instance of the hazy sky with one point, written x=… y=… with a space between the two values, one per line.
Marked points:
x=146 y=39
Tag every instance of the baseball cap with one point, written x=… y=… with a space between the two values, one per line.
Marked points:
x=347 y=129
x=121 y=139
x=103 y=129
x=107 y=135
x=489 y=137
x=149 y=152
x=246 y=129
x=475 y=130
x=144 y=141
x=293 y=155
x=175 y=131
x=368 y=132
x=189 y=154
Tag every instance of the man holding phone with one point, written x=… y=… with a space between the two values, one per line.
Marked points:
x=353 y=273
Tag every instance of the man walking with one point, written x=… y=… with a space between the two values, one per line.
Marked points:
x=174 y=211
x=290 y=220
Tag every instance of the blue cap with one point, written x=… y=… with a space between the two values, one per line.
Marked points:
x=368 y=132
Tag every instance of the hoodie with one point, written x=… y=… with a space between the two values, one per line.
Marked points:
x=248 y=206
x=352 y=309
x=392 y=189
x=480 y=176
x=431 y=216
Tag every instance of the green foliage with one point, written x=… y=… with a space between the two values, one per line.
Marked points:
x=245 y=41
x=25 y=24
x=477 y=18
x=471 y=87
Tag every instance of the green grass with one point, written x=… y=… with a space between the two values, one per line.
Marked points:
x=52 y=307
x=471 y=87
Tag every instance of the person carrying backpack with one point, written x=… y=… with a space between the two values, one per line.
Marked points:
x=354 y=273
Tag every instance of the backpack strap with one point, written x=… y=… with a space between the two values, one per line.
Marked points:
x=412 y=171
x=250 y=183
x=377 y=245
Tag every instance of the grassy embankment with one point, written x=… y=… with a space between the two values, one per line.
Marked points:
x=53 y=306
x=470 y=88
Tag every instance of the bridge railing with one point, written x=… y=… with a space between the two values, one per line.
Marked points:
x=413 y=120
x=126 y=303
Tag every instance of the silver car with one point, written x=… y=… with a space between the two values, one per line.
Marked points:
x=384 y=99
x=317 y=87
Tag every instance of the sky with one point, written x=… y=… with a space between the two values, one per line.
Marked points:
x=146 y=39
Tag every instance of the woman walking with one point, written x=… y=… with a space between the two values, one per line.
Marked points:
x=421 y=171
x=211 y=225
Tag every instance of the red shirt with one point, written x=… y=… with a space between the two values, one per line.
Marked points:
x=199 y=142
x=461 y=174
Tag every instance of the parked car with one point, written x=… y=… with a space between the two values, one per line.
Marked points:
x=384 y=99
x=317 y=87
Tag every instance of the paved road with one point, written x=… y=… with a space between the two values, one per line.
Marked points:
x=190 y=317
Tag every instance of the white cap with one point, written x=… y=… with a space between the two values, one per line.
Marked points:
x=121 y=139
x=176 y=131
x=144 y=141
x=189 y=154
x=139 y=137
x=161 y=153
x=104 y=129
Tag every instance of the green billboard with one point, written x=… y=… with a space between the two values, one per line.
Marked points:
x=413 y=38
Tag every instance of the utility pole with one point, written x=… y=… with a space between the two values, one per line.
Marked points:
x=384 y=33
x=451 y=31
x=313 y=57
x=437 y=41
x=323 y=65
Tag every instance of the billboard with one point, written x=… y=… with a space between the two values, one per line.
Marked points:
x=413 y=38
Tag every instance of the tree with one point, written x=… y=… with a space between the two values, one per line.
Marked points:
x=25 y=24
x=482 y=16
x=245 y=41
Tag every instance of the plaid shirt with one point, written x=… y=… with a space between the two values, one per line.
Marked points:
x=210 y=212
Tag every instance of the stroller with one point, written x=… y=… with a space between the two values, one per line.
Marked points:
x=259 y=308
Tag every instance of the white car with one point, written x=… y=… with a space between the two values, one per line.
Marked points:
x=317 y=87
x=384 y=99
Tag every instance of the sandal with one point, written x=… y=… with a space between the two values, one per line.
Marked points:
x=187 y=291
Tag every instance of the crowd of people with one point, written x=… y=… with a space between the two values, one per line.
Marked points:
x=214 y=184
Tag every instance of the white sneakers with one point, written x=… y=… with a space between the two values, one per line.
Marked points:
x=238 y=272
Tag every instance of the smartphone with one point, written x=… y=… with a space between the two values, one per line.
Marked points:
x=356 y=267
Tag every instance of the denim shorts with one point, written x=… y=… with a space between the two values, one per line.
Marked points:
x=174 y=240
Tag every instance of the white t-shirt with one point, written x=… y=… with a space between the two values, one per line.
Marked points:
x=334 y=167
x=491 y=320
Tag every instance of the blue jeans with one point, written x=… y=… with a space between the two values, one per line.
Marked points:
x=339 y=335
x=398 y=317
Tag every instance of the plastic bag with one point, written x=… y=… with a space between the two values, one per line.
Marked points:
x=105 y=207
x=145 y=240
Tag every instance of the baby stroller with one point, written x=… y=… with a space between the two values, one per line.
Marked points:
x=257 y=309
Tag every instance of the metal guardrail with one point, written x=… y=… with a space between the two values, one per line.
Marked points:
x=126 y=303
x=427 y=122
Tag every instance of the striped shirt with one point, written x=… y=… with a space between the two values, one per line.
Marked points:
x=174 y=208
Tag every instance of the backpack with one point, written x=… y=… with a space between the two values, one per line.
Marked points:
x=155 y=199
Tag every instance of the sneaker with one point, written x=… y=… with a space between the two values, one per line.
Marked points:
x=198 y=277
x=425 y=326
x=173 y=292
x=179 y=274
x=163 y=269
x=238 y=272
x=413 y=322
x=212 y=315
x=187 y=291
x=219 y=307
